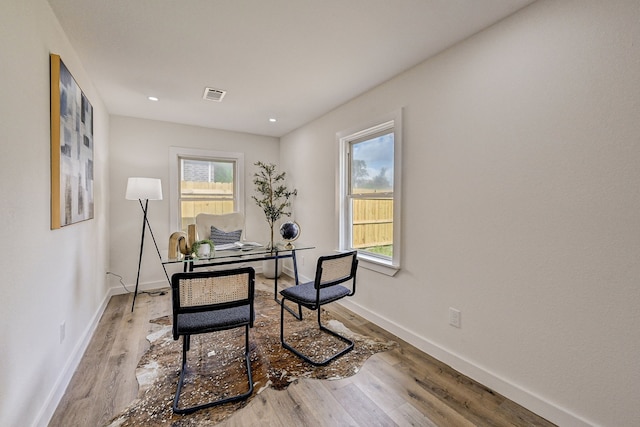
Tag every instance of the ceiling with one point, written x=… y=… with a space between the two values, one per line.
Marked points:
x=292 y=60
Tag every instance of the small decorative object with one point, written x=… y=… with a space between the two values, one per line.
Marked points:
x=178 y=244
x=202 y=248
x=273 y=196
x=289 y=231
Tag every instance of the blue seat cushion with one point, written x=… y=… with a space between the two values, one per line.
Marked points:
x=306 y=293
x=194 y=323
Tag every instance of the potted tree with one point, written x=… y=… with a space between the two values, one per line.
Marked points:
x=273 y=197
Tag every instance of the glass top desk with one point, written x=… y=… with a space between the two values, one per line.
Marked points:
x=237 y=256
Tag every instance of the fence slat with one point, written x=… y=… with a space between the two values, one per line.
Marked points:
x=372 y=222
x=191 y=208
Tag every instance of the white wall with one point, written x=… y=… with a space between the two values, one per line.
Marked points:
x=50 y=276
x=141 y=148
x=521 y=176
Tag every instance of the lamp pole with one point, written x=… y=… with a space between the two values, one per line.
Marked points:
x=144 y=225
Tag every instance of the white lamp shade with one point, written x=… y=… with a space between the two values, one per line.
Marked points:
x=144 y=188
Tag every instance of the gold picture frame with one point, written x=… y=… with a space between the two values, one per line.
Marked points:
x=72 y=198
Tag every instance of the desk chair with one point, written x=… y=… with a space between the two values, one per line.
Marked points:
x=212 y=301
x=331 y=272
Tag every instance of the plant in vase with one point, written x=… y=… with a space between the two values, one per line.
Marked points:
x=273 y=196
x=202 y=248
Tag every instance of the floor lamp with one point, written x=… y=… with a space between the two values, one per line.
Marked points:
x=144 y=189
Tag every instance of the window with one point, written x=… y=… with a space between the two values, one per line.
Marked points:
x=204 y=181
x=370 y=193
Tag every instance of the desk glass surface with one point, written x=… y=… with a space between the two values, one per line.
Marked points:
x=232 y=256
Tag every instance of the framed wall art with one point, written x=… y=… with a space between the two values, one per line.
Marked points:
x=71 y=149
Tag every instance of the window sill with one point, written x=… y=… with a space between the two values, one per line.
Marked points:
x=377 y=265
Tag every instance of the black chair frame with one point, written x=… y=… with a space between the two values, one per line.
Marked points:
x=289 y=294
x=186 y=337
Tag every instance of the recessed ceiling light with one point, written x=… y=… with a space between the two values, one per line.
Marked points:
x=152 y=98
x=272 y=120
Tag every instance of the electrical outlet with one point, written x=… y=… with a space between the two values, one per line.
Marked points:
x=454 y=317
x=302 y=260
x=63 y=326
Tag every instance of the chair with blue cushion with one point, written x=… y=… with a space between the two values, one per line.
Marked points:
x=332 y=272
x=211 y=301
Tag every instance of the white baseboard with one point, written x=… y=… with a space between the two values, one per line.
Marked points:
x=62 y=382
x=529 y=400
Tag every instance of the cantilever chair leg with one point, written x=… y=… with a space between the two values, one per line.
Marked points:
x=185 y=347
x=331 y=272
x=323 y=329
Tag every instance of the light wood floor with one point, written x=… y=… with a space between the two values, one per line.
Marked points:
x=403 y=387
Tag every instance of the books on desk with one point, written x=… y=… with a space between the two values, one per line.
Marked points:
x=245 y=246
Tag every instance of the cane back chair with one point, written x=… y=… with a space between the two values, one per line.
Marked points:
x=211 y=301
x=331 y=272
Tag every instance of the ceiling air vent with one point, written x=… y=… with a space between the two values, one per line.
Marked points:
x=211 y=94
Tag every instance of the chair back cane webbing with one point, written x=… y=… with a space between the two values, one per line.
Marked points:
x=213 y=290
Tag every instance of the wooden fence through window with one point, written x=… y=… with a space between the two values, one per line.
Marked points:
x=194 y=197
x=372 y=223
x=372 y=219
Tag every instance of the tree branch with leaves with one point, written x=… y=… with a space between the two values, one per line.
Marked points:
x=273 y=195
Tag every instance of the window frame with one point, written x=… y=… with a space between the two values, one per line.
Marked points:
x=177 y=153
x=344 y=140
